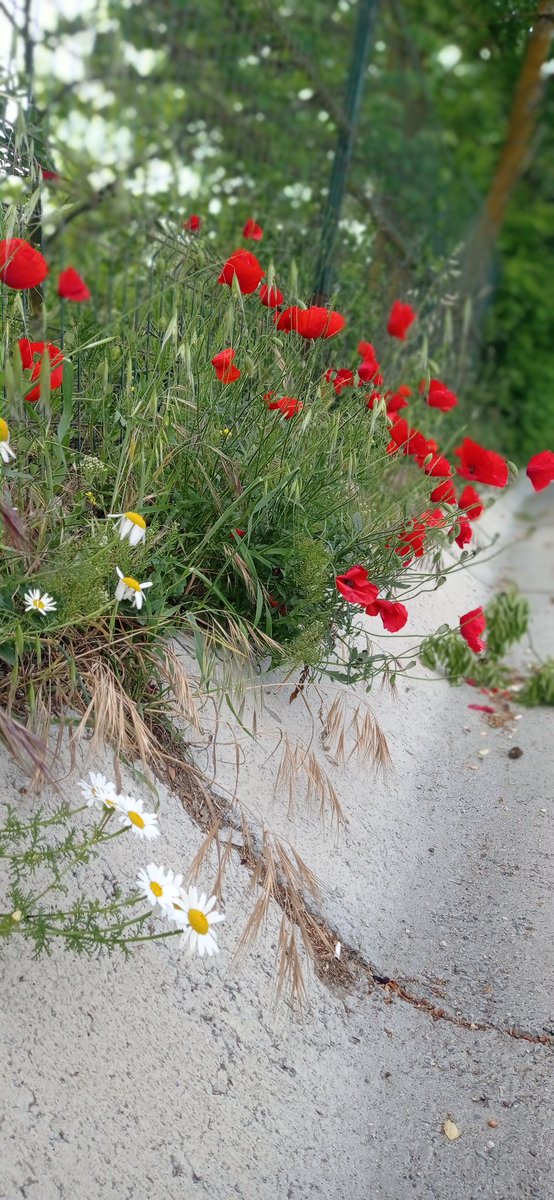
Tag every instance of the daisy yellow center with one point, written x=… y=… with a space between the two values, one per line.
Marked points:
x=198 y=921
x=39 y=603
x=136 y=819
x=156 y=888
x=136 y=519
x=4 y=431
x=131 y=583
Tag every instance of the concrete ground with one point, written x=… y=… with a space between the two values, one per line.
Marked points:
x=164 y=1078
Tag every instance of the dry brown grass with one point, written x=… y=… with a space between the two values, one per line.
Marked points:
x=278 y=876
x=299 y=763
x=181 y=694
x=30 y=752
x=356 y=734
x=13 y=528
x=113 y=716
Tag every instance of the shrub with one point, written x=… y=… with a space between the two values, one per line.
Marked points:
x=202 y=472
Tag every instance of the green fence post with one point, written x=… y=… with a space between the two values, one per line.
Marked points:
x=365 y=25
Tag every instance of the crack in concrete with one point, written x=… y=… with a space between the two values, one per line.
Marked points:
x=351 y=967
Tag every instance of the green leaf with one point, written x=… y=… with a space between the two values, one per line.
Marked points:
x=66 y=416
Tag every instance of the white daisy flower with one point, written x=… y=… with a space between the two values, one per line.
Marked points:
x=130 y=589
x=37 y=601
x=160 y=887
x=6 y=451
x=133 y=816
x=98 y=791
x=132 y=526
x=197 y=917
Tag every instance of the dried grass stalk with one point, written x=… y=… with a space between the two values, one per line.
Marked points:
x=173 y=671
x=114 y=716
x=239 y=564
x=298 y=762
x=279 y=875
x=29 y=751
x=12 y=525
x=370 y=743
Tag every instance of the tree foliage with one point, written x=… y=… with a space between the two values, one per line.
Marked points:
x=233 y=108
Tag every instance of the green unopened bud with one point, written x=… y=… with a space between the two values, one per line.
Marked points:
x=103 y=375
x=228 y=325
x=19 y=640
x=44 y=377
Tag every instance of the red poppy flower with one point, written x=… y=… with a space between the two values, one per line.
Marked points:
x=439 y=467
x=224 y=369
x=397 y=400
x=287 y=405
x=411 y=541
x=373 y=399
x=444 y=493
x=275 y=603
x=400 y=318
x=223 y=358
x=252 y=230
x=540 y=470
x=393 y=614
x=192 y=223
x=486 y=708
x=21 y=266
x=343 y=378
x=410 y=441
x=287 y=320
x=472 y=625
x=239 y=532
x=368 y=370
x=440 y=397
x=310 y=323
x=271 y=296
x=369 y=366
x=229 y=374
x=320 y=323
x=247 y=269
x=355 y=586
x=31 y=357
x=49 y=175
x=471 y=502
x=72 y=287
x=400 y=433
x=466 y=532
x=433 y=516
x=484 y=466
